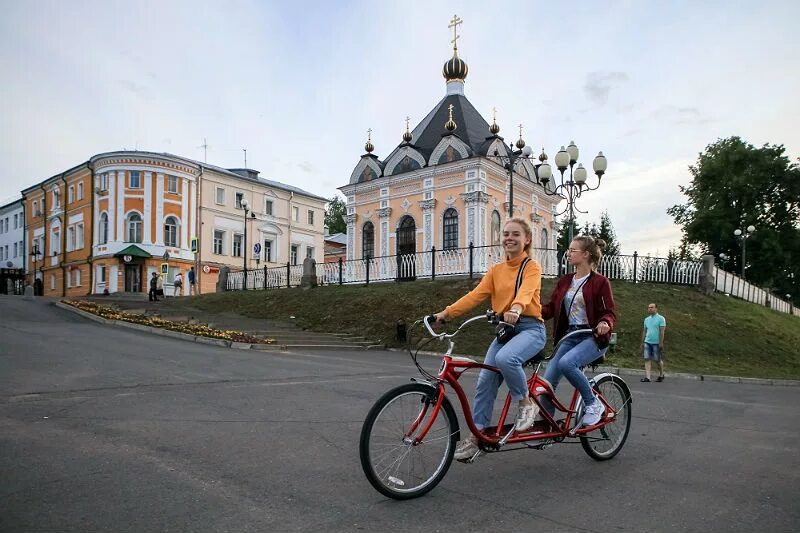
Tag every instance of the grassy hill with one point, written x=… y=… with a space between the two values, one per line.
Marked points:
x=705 y=334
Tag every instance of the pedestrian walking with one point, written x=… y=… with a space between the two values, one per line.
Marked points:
x=653 y=342
x=192 y=286
x=177 y=283
x=152 y=294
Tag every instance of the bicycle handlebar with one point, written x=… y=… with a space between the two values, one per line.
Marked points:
x=490 y=315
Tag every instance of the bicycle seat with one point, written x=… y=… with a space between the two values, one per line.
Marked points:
x=538 y=358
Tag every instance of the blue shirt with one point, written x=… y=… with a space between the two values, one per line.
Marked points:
x=653 y=325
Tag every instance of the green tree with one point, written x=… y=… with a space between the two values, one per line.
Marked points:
x=562 y=242
x=603 y=231
x=735 y=185
x=335 y=212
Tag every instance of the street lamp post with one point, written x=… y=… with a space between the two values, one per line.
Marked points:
x=246 y=206
x=743 y=235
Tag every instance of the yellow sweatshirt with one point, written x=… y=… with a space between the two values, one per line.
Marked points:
x=499 y=283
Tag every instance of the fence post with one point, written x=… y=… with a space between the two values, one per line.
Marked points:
x=368 y=262
x=635 y=265
x=288 y=274
x=340 y=271
x=265 y=277
x=433 y=263
x=471 y=247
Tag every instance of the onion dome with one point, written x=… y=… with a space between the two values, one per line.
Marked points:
x=520 y=141
x=450 y=125
x=369 y=147
x=543 y=156
x=407 y=135
x=494 y=128
x=455 y=68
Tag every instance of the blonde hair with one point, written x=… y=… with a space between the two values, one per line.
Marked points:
x=594 y=246
x=526 y=228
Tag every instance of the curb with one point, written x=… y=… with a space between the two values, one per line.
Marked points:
x=622 y=371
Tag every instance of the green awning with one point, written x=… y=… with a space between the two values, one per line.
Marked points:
x=133 y=251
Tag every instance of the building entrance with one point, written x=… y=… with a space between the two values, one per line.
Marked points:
x=133 y=278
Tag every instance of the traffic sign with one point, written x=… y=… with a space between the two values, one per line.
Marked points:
x=257 y=248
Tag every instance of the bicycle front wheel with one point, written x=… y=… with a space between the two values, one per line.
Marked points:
x=392 y=462
x=606 y=441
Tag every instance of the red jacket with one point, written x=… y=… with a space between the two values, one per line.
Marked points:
x=599 y=306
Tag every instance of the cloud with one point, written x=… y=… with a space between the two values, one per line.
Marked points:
x=599 y=84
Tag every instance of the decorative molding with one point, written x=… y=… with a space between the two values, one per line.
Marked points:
x=351 y=219
x=451 y=140
x=398 y=156
x=405 y=205
x=427 y=205
x=475 y=197
x=384 y=212
x=449 y=201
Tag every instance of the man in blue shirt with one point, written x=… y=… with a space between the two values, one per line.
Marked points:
x=653 y=342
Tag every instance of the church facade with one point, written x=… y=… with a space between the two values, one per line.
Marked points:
x=445 y=186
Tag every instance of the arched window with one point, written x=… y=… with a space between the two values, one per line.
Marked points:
x=495 y=228
x=450 y=225
x=545 y=243
x=134 y=227
x=368 y=240
x=104 y=228
x=171 y=232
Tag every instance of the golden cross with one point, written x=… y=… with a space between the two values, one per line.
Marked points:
x=407 y=119
x=369 y=134
x=494 y=114
x=520 y=131
x=454 y=24
x=450 y=108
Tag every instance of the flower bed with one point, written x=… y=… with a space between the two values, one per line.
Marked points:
x=198 y=330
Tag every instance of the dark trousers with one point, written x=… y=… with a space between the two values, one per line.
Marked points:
x=152 y=295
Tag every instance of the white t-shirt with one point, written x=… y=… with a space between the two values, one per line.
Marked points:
x=178 y=278
x=577 y=312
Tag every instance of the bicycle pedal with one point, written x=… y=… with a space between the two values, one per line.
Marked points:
x=540 y=446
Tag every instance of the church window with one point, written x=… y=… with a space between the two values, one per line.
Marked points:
x=495 y=228
x=450 y=224
x=544 y=238
x=368 y=240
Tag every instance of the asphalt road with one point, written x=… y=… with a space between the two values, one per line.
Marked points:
x=106 y=429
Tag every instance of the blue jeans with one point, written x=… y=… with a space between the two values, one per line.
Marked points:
x=508 y=357
x=573 y=354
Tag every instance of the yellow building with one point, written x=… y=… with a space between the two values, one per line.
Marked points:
x=444 y=186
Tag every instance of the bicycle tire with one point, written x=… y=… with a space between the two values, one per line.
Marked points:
x=397 y=480
x=614 y=434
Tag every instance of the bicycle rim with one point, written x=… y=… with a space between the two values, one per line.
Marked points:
x=392 y=462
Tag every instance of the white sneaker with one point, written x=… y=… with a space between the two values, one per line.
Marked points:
x=466 y=450
x=526 y=417
x=593 y=413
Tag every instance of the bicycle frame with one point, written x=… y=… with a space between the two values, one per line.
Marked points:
x=453 y=367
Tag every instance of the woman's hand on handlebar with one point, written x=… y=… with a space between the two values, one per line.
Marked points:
x=511 y=316
x=441 y=317
x=602 y=328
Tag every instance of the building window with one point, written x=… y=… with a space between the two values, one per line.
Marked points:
x=55 y=241
x=309 y=252
x=104 y=181
x=219 y=238
x=15 y=221
x=70 y=238
x=293 y=255
x=134 y=227
x=237 y=245
x=80 y=190
x=296 y=214
x=52 y=282
x=268 y=207
x=239 y=198
x=70 y=194
x=268 y=251
x=35 y=208
x=368 y=240
x=77 y=278
x=104 y=228
x=69 y=279
x=544 y=239
x=79 y=236
x=135 y=180
x=102 y=274
x=171 y=232
x=495 y=228
x=220 y=198
x=310 y=217
x=172 y=184
x=15 y=249
x=56 y=199
x=450 y=224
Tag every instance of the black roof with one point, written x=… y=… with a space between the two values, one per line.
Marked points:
x=471 y=127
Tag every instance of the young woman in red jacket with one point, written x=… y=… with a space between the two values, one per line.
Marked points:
x=582 y=300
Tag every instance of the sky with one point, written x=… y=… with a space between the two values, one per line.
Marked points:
x=297 y=85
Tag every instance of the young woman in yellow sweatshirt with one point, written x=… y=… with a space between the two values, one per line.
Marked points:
x=524 y=311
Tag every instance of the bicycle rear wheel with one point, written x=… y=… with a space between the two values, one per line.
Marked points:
x=393 y=464
x=606 y=441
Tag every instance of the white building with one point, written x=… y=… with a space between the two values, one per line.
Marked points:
x=12 y=235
